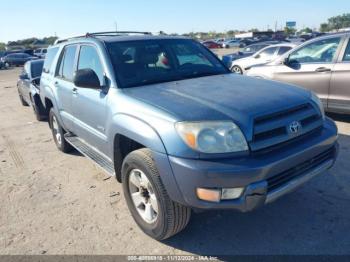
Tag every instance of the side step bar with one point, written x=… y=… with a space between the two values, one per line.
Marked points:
x=99 y=159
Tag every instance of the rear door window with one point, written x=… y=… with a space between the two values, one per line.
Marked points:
x=66 y=69
x=268 y=52
x=284 y=49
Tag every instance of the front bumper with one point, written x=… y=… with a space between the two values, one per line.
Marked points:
x=265 y=177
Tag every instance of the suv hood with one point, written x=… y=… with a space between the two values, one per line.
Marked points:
x=221 y=97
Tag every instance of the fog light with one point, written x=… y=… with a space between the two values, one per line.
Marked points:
x=231 y=193
x=212 y=195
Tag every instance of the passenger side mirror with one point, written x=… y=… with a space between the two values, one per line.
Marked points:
x=24 y=76
x=36 y=81
x=87 y=78
x=257 y=56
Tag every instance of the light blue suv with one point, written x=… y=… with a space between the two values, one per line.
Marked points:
x=178 y=129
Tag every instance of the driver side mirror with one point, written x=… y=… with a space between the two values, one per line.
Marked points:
x=286 y=61
x=257 y=56
x=87 y=78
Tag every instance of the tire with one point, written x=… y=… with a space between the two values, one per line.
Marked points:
x=38 y=109
x=170 y=217
x=237 y=70
x=23 y=102
x=58 y=133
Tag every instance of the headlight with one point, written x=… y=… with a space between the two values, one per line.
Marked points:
x=212 y=136
x=318 y=102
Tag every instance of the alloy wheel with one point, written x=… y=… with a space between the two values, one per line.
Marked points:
x=143 y=196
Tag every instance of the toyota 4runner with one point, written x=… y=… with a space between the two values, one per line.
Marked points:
x=179 y=130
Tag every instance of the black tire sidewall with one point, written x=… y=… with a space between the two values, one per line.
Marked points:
x=157 y=228
x=37 y=109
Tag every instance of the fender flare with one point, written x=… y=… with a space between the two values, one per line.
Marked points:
x=49 y=95
x=144 y=134
x=137 y=130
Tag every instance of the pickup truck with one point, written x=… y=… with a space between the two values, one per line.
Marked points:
x=181 y=132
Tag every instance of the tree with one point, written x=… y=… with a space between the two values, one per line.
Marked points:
x=307 y=30
x=336 y=23
x=324 y=28
x=289 y=30
x=254 y=30
x=2 y=46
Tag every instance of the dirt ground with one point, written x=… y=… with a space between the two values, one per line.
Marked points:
x=55 y=203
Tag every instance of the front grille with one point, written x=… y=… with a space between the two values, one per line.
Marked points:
x=299 y=170
x=273 y=129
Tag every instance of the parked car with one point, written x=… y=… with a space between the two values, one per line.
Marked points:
x=321 y=65
x=2 y=64
x=247 y=51
x=17 y=59
x=28 y=86
x=238 y=43
x=231 y=43
x=220 y=40
x=265 y=55
x=182 y=132
x=211 y=44
x=41 y=52
x=295 y=40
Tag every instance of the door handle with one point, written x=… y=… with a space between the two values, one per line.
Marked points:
x=56 y=83
x=75 y=91
x=322 y=70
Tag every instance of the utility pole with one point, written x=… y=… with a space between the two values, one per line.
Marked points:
x=276 y=26
x=116 y=26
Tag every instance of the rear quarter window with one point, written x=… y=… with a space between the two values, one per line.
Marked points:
x=50 y=56
x=347 y=53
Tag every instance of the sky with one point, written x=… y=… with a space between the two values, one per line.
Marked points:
x=65 y=18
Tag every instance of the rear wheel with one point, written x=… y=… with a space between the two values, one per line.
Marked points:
x=21 y=99
x=237 y=70
x=38 y=109
x=58 y=133
x=152 y=209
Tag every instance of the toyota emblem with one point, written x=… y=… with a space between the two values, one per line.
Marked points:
x=295 y=127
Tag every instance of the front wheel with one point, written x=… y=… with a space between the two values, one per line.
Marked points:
x=237 y=70
x=58 y=133
x=152 y=209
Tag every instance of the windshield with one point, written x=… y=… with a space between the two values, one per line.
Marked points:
x=145 y=62
x=36 y=69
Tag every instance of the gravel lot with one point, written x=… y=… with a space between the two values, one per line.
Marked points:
x=54 y=203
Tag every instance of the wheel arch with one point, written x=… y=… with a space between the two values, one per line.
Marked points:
x=130 y=133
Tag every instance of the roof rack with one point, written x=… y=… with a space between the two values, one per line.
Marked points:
x=116 y=33
x=109 y=33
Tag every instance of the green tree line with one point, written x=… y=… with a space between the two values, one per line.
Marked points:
x=336 y=23
x=28 y=42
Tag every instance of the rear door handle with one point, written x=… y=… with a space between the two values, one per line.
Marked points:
x=323 y=69
x=75 y=91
